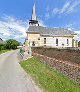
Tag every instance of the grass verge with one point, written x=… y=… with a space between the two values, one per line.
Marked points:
x=49 y=79
x=3 y=51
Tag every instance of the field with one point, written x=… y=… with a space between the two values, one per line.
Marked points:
x=72 y=56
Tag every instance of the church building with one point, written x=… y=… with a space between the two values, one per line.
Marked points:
x=52 y=37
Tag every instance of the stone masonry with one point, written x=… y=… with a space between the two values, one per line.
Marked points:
x=66 y=68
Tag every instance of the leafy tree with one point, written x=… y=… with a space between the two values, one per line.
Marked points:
x=12 y=44
x=2 y=46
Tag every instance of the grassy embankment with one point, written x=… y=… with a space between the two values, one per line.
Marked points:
x=3 y=51
x=49 y=79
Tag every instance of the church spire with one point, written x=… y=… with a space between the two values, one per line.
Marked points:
x=34 y=13
x=33 y=21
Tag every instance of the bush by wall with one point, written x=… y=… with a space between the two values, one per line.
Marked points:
x=2 y=47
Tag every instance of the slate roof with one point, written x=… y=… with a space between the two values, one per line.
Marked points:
x=50 y=31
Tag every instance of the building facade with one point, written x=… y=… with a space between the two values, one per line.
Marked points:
x=52 y=37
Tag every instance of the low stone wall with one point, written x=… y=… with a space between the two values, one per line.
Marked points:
x=71 y=70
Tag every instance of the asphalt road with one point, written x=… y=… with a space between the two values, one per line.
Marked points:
x=12 y=77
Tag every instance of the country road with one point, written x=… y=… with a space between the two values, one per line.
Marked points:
x=12 y=77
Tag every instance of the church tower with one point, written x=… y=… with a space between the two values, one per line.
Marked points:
x=33 y=21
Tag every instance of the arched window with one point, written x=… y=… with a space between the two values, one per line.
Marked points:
x=44 y=40
x=67 y=42
x=56 y=42
x=33 y=43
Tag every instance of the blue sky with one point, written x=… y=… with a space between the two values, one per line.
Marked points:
x=14 y=16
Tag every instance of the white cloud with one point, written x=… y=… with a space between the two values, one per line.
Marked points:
x=69 y=7
x=55 y=11
x=78 y=35
x=41 y=23
x=13 y=28
x=65 y=8
x=77 y=32
x=70 y=26
x=73 y=6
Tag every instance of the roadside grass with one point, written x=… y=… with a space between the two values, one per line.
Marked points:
x=3 y=51
x=48 y=79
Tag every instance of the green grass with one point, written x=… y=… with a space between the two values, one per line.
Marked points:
x=49 y=79
x=3 y=51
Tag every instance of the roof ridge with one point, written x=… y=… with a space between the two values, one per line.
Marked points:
x=50 y=28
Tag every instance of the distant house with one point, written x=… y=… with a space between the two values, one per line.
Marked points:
x=53 y=37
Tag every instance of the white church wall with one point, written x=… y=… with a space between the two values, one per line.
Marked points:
x=62 y=41
x=51 y=41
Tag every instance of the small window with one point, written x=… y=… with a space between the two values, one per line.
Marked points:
x=44 y=40
x=67 y=42
x=56 y=42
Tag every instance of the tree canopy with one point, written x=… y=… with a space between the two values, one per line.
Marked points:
x=12 y=44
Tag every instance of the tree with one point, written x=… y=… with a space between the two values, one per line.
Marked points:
x=12 y=44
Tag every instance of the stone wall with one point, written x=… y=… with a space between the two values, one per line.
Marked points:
x=71 y=70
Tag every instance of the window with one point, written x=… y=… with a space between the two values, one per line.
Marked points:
x=56 y=42
x=67 y=42
x=33 y=43
x=44 y=40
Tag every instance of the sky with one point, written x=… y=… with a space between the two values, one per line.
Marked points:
x=15 y=16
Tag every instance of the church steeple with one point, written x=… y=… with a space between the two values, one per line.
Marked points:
x=34 y=13
x=33 y=21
